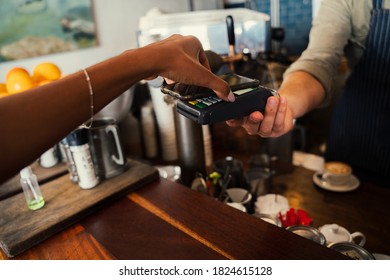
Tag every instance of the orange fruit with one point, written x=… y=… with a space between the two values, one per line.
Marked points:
x=46 y=71
x=44 y=82
x=16 y=71
x=3 y=94
x=18 y=79
x=3 y=88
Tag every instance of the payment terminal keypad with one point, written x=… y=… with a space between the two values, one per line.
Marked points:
x=205 y=101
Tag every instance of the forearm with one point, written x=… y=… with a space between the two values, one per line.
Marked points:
x=323 y=56
x=302 y=91
x=34 y=120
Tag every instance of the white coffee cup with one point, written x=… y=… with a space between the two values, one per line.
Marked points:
x=335 y=233
x=237 y=205
x=49 y=158
x=337 y=173
x=238 y=195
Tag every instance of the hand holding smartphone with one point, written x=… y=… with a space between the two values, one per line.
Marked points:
x=205 y=107
x=190 y=92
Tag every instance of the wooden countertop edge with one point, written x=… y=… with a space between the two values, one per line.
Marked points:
x=154 y=199
x=176 y=223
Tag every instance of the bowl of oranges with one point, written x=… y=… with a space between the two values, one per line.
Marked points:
x=19 y=79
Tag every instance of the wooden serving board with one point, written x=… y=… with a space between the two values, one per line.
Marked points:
x=65 y=204
x=12 y=186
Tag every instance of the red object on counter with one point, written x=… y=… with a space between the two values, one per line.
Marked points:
x=295 y=217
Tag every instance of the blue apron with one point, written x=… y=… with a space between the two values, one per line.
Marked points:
x=360 y=127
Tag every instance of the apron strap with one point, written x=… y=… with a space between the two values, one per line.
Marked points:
x=377 y=4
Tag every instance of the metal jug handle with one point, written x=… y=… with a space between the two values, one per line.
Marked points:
x=118 y=160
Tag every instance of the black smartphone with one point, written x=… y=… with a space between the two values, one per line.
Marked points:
x=191 y=92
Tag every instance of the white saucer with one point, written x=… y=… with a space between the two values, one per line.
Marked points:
x=352 y=185
x=381 y=256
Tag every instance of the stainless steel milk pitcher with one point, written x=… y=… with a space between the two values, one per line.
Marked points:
x=106 y=148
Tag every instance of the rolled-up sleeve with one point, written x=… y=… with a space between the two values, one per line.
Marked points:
x=329 y=35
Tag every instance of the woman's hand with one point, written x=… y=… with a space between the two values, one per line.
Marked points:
x=182 y=59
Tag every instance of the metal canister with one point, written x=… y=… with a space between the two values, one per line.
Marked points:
x=308 y=232
x=72 y=169
x=352 y=250
x=81 y=154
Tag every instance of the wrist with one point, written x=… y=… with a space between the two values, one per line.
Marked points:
x=141 y=64
x=302 y=92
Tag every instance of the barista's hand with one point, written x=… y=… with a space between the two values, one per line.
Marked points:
x=182 y=59
x=276 y=121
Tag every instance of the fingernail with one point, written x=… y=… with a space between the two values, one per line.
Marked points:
x=272 y=102
x=231 y=97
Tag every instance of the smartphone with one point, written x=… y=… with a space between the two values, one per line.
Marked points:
x=191 y=92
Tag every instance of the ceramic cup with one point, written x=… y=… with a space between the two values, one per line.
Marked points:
x=49 y=158
x=238 y=195
x=237 y=205
x=272 y=219
x=335 y=233
x=337 y=173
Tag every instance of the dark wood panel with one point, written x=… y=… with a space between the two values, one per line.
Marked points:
x=230 y=232
x=129 y=231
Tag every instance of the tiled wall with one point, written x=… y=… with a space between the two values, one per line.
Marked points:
x=295 y=18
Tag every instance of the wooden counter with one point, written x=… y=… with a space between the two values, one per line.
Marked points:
x=166 y=220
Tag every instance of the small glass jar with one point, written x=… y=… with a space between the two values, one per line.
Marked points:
x=31 y=190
